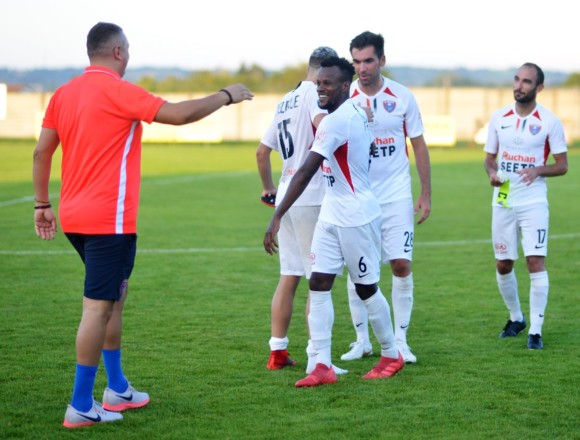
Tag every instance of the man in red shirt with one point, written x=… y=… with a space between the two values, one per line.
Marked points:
x=96 y=118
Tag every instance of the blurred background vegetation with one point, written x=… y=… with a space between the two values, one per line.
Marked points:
x=260 y=80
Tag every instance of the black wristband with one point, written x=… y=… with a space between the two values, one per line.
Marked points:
x=43 y=206
x=229 y=96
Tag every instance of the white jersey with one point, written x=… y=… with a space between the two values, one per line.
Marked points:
x=520 y=143
x=396 y=116
x=291 y=133
x=344 y=139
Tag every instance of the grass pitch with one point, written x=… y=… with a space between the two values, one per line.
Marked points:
x=197 y=321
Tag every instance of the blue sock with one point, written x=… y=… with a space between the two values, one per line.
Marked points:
x=82 y=398
x=115 y=377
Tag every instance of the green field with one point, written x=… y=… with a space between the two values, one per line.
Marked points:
x=197 y=320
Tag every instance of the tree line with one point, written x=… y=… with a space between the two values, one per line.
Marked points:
x=260 y=80
x=255 y=77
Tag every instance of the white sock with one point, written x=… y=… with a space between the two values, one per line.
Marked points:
x=539 y=286
x=380 y=319
x=402 y=299
x=312 y=356
x=358 y=313
x=278 y=343
x=311 y=365
x=508 y=289
x=320 y=322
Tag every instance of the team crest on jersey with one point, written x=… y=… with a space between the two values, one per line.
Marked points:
x=535 y=129
x=389 y=105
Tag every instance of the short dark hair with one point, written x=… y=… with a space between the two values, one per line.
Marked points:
x=369 y=39
x=346 y=68
x=319 y=54
x=539 y=72
x=99 y=35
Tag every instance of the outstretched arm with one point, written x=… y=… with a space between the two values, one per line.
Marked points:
x=186 y=112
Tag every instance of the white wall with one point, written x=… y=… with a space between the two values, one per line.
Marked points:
x=463 y=111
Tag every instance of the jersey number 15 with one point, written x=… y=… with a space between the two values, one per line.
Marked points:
x=285 y=139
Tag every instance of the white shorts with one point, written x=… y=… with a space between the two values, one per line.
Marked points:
x=528 y=223
x=358 y=247
x=397 y=230
x=295 y=240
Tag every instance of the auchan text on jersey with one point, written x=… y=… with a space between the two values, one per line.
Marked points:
x=384 y=141
x=518 y=157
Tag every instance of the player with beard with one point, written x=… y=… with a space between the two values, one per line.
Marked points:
x=396 y=117
x=521 y=137
x=348 y=228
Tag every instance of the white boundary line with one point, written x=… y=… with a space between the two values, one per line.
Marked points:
x=488 y=241
x=26 y=199
x=145 y=181
x=191 y=178
x=260 y=249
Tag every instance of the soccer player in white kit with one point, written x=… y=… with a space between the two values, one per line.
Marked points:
x=348 y=228
x=291 y=134
x=521 y=137
x=396 y=116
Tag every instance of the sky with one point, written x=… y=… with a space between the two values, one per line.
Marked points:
x=495 y=34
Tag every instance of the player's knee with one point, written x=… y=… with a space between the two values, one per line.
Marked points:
x=504 y=266
x=535 y=264
x=401 y=267
x=320 y=282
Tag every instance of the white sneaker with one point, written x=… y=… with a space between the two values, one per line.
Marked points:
x=405 y=351
x=130 y=399
x=358 y=350
x=78 y=419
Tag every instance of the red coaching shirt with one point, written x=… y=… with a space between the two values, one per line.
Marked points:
x=98 y=119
